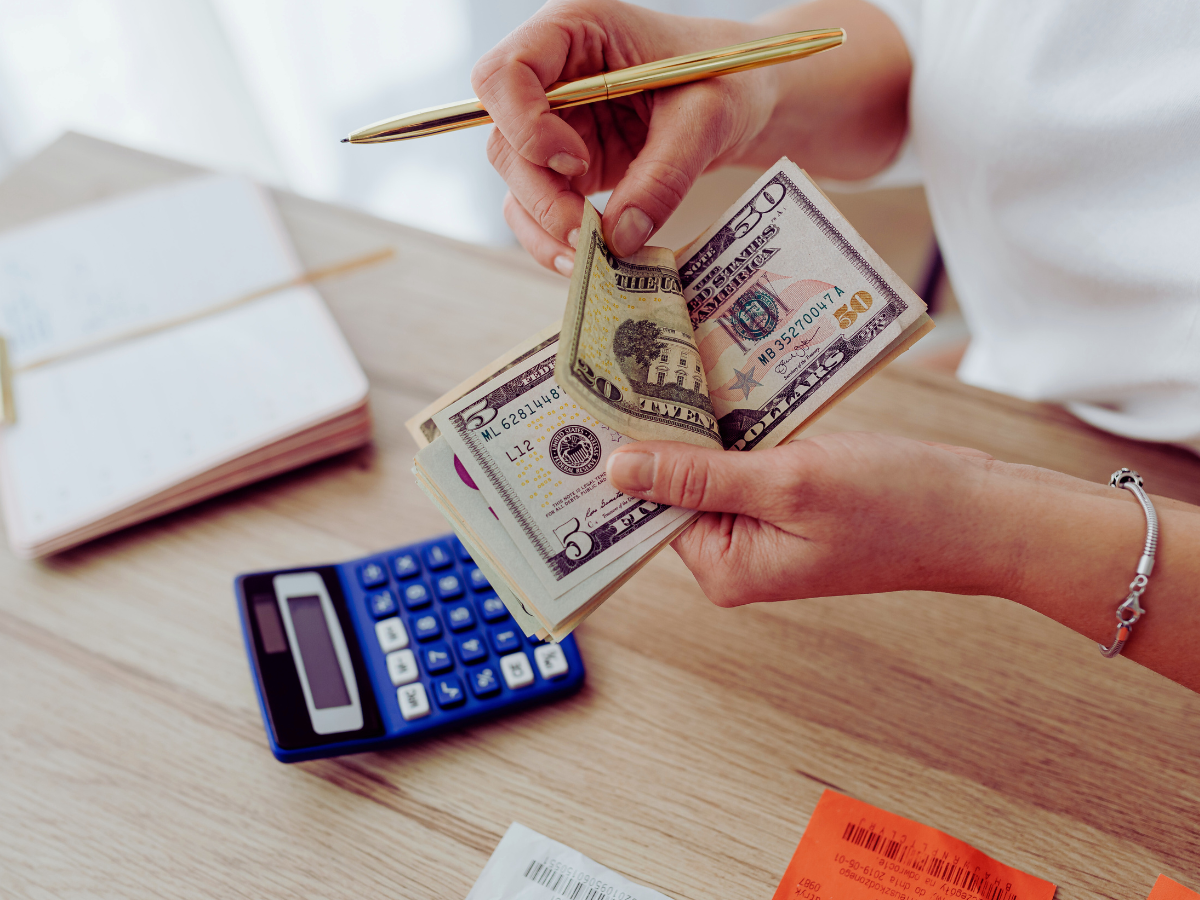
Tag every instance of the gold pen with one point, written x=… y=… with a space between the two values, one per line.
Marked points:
x=611 y=85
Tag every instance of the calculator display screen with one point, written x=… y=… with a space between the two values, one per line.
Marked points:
x=316 y=648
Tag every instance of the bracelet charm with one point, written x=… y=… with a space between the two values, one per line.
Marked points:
x=1130 y=609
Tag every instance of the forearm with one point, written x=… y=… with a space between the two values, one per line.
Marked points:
x=1071 y=549
x=843 y=113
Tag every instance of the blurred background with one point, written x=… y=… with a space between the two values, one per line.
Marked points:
x=269 y=87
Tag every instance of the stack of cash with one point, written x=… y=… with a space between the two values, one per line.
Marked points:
x=736 y=342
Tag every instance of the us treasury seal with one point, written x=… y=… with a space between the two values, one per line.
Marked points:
x=574 y=450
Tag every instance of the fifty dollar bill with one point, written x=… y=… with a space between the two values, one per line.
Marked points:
x=779 y=308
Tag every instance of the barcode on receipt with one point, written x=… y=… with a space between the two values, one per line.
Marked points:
x=570 y=887
x=982 y=883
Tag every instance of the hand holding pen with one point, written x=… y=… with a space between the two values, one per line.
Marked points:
x=650 y=147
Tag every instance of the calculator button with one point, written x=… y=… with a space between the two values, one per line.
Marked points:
x=391 y=634
x=381 y=603
x=427 y=626
x=449 y=586
x=551 y=661
x=402 y=667
x=471 y=649
x=506 y=640
x=437 y=556
x=405 y=565
x=449 y=691
x=476 y=579
x=372 y=575
x=492 y=609
x=463 y=553
x=414 y=702
x=437 y=659
x=517 y=673
x=484 y=682
x=459 y=617
x=416 y=595
x=534 y=640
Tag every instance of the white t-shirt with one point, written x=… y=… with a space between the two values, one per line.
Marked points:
x=1059 y=143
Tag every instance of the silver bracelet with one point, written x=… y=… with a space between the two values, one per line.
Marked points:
x=1131 y=609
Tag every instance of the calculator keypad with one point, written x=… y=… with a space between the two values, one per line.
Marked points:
x=416 y=595
x=449 y=586
x=427 y=626
x=372 y=575
x=459 y=617
x=414 y=702
x=381 y=604
x=506 y=640
x=484 y=682
x=437 y=556
x=449 y=691
x=405 y=565
x=402 y=667
x=438 y=659
x=517 y=671
x=551 y=661
x=391 y=634
x=471 y=649
x=444 y=635
x=492 y=609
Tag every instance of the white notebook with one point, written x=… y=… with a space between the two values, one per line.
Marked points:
x=137 y=426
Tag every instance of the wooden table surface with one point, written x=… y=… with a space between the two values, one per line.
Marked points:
x=133 y=761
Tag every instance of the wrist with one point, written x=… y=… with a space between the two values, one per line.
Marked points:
x=1073 y=553
x=984 y=543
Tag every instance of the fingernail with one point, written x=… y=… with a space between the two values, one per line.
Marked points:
x=573 y=237
x=564 y=264
x=566 y=164
x=631 y=232
x=631 y=470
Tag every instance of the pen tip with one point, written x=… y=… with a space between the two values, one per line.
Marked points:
x=345 y=140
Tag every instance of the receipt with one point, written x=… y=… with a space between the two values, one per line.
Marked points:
x=854 y=851
x=528 y=866
x=1168 y=889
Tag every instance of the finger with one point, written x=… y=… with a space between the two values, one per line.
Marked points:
x=541 y=246
x=546 y=196
x=689 y=128
x=510 y=81
x=677 y=474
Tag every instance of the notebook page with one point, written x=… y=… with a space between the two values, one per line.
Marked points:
x=137 y=259
x=98 y=433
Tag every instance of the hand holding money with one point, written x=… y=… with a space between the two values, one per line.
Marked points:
x=777 y=311
x=830 y=516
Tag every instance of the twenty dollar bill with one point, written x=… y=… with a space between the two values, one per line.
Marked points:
x=627 y=353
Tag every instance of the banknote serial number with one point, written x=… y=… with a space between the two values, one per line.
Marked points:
x=479 y=416
x=846 y=315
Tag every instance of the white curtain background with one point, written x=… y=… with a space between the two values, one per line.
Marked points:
x=269 y=87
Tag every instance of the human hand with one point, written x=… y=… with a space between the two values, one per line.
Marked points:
x=866 y=513
x=648 y=148
x=828 y=516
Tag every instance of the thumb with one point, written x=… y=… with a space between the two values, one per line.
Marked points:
x=678 y=474
x=687 y=131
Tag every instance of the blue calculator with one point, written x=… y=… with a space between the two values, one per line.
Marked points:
x=389 y=648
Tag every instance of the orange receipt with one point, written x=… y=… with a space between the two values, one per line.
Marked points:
x=853 y=851
x=1166 y=889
